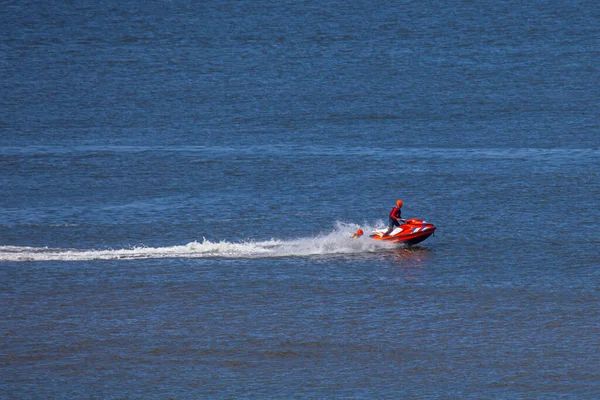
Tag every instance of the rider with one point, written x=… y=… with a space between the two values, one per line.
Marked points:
x=395 y=217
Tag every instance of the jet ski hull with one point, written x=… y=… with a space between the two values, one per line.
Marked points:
x=413 y=231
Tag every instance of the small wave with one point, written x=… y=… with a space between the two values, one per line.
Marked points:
x=337 y=242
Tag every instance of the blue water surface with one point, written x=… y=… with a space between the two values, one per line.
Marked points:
x=181 y=180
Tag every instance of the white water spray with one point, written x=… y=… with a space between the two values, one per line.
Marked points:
x=339 y=241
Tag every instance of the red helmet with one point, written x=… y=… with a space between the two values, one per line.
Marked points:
x=399 y=203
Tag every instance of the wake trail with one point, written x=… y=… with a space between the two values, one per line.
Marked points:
x=338 y=241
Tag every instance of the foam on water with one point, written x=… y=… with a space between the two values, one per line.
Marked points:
x=338 y=241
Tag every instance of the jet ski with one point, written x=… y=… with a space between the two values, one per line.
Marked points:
x=411 y=232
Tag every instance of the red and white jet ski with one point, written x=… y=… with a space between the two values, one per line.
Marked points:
x=411 y=232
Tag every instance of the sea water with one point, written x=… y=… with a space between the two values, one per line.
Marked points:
x=181 y=181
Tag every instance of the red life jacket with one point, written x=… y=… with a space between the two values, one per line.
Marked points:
x=396 y=213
